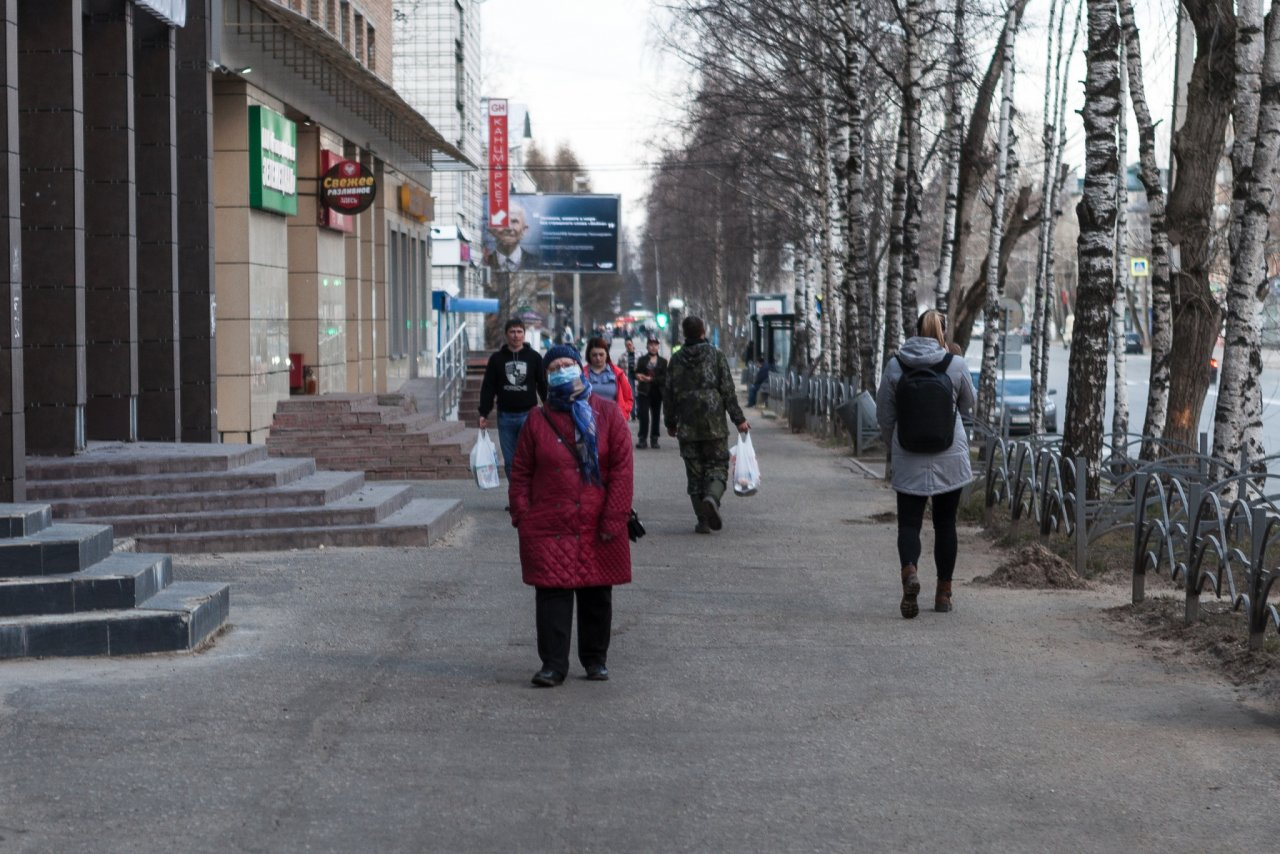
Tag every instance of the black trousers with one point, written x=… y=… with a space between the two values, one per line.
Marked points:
x=945 y=541
x=650 y=408
x=555 y=625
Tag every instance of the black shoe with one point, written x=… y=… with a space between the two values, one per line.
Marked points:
x=654 y=444
x=597 y=673
x=641 y=445
x=701 y=528
x=547 y=678
x=711 y=512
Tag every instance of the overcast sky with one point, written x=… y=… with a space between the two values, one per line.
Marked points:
x=591 y=76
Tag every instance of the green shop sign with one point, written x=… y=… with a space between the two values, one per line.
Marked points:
x=273 y=162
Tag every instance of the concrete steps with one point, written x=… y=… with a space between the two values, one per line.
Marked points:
x=205 y=498
x=63 y=592
x=381 y=435
x=420 y=523
x=469 y=403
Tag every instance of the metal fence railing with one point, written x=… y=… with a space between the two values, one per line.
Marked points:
x=1213 y=529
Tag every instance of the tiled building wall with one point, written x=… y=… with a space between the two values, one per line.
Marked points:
x=252 y=268
x=317 y=273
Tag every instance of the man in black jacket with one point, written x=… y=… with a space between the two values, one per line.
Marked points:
x=513 y=376
x=651 y=373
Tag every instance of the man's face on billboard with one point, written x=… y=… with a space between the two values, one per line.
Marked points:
x=508 y=237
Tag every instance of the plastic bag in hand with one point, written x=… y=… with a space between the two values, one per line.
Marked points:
x=744 y=468
x=484 y=462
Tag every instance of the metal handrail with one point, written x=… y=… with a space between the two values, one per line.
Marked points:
x=451 y=372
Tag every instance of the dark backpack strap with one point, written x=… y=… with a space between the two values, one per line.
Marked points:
x=942 y=366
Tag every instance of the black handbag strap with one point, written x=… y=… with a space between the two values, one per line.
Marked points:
x=572 y=446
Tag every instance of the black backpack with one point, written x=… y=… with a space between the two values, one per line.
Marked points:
x=926 y=404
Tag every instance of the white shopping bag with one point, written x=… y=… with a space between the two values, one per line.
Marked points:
x=484 y=462
x=744 y=469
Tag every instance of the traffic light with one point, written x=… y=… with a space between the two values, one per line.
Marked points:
x=662 y=320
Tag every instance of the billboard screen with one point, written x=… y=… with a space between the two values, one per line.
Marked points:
x=556 y=234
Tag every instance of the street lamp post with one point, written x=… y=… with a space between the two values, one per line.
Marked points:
x=657 y=273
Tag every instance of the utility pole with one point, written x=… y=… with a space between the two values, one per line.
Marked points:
x=579 y=181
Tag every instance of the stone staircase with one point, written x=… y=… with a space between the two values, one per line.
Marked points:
x=381 y=435
x=64 y=592
x=229 y=498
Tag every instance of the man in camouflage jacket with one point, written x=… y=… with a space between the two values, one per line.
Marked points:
x=699 y=392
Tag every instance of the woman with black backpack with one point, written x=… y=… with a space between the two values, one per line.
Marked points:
x=924 y=390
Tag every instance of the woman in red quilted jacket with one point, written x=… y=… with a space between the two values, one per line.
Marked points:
x=570 y=495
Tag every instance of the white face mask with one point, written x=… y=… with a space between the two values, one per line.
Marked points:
x=564 y=376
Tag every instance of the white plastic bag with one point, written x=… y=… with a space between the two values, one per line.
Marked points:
x=744 y=468
x=484 y=461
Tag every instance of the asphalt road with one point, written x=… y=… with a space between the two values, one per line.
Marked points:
x=766 y=696
x=1138 y=369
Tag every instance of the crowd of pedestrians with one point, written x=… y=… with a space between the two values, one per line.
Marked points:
x=570 y=466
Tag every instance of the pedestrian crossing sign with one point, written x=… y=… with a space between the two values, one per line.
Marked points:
x=1138 y=267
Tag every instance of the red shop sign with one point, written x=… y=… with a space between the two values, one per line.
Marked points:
x=348 y=187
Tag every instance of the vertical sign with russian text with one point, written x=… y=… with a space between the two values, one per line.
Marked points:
x=499 y=146
x=273 y=162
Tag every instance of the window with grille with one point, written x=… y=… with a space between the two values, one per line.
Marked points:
x=371 y=56
x=359 y=34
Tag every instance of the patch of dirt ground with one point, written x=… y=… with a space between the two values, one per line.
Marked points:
x=1217 y=640
x=1034 y=566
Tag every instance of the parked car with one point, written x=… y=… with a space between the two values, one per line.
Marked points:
x=1133 y=342
x=1013 y=392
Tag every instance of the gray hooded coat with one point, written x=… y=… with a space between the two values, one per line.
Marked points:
x=926 y=474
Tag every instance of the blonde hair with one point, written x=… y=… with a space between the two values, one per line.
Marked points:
x=933 y=324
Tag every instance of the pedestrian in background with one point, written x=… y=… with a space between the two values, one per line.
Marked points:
x=699 y=392
x=651 y=374
x=514 y=379
x=758 y=382
x=570 y=492
x=607 y=379
x=629 y=365
x=921 y=477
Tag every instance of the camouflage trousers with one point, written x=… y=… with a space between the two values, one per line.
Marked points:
x=706 y=467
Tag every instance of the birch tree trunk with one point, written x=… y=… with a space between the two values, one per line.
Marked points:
x=1149 y=174
x=987 y=386
x=951 y=163
x=893 y=321
x=1061 y=80
x=911 y=211
x=1096 y=210
x=1120 y=389
x=1238 y=417
x=856 y=277
x=825 y=237
x=1048 y=139
x=975 y=163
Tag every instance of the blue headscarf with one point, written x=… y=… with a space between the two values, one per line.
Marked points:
x=574 y=398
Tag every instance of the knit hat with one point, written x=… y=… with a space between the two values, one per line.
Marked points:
x=561 y=351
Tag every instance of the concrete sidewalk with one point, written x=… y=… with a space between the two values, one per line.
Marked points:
x=766 y=696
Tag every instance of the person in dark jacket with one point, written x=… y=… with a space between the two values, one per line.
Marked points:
x=921 y=478
x=515 y=379
x=628 y=364
x=699 y=392
x=761 y=377
x=570 y=491
x=651 y=375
